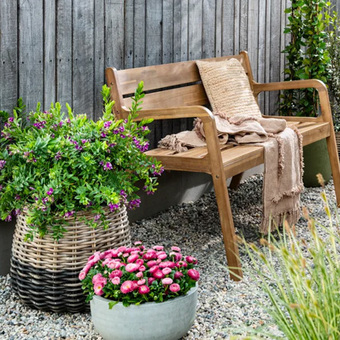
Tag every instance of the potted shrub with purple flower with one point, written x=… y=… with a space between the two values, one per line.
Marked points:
x=7 y=228
x=149 y=290
x=69 y=179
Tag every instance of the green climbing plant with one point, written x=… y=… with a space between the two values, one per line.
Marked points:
x=307 y=55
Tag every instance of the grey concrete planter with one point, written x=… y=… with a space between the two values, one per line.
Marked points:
x=6 y=237
x=168 y=320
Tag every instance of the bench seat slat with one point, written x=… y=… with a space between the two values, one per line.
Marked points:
x=235 y=159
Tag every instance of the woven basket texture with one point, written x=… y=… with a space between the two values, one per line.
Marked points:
x=44 y=272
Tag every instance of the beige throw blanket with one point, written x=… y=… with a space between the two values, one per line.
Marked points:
x=283 y=162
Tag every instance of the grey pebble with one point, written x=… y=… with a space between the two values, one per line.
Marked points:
x=224 y=306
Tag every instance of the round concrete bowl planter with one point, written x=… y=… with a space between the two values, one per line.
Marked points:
x=169 y=320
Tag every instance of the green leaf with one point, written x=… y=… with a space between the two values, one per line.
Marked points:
x=112 y=303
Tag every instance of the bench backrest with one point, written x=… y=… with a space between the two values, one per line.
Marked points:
x=167 y=85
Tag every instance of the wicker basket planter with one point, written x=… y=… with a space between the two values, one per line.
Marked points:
x=45 y=273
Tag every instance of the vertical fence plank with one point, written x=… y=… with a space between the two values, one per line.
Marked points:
x=218 y=27
x=208 y=28
x=268 y=54
x=244 y=25
x=128 y=31
x=177 y=30
x=8 y=55
x=275 y=55
x=237 y=24
x=228 y=27
x=99 y=56
x=114 y=25
x=253 y=34
x=153 y=43
x=261 y=70
x=167 y=48
x=184 y=30
x=168 y=32
x=31 y=52
x=195 y=29
x=139 y=33
x=153 y=34
x=83 y=53
x=64 y=52
x=49 y=53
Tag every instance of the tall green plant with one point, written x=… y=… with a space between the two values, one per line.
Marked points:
x=305 y=291
x=307 y=55
x=333 y=46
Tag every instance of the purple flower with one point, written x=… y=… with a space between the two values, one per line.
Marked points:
x=17 y=212
x=103 y=135
x=107 y=124
x=2 y=164
x=40 y=125
x=69 y=213
x=134 y=203
x=60 y=124
x=122 y=136
x=50 y=191
x=58 y=155
x=45 y=200
x=123 y=193
x=84 y=141
x=10 y=120
x=121 y=129
x=89 y=204
x=108 y=166
x=113 y=207
x=17 y=197
x=8 y=218
x=96 y=218
x=31 y=188
x=68 y=121
x=101 y=163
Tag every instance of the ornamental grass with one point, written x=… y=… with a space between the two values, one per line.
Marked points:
x=301 y=278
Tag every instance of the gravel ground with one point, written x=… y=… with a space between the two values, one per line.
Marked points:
x=224 y=306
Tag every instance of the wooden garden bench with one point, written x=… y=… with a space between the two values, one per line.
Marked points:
x=175 y=91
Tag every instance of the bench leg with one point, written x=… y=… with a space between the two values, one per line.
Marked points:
x=334 y=160
x=227 y=226
x=235 y=181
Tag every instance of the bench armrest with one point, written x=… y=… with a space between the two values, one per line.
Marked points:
x=201 y=112
x=326 y=112
x=174 y=113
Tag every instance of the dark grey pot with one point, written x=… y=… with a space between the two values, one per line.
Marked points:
x=316 y=161
x=6 y=237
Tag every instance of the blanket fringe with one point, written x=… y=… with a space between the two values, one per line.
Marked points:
x=270 y=223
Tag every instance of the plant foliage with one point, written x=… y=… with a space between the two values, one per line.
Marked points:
x=307 y=54
x=305 y=291
x=59 y=165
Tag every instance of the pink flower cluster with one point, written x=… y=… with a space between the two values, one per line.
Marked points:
x=136 y=274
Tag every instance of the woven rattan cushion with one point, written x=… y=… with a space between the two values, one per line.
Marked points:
x=227 y=87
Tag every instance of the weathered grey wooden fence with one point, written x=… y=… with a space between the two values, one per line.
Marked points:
x=57 y=50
